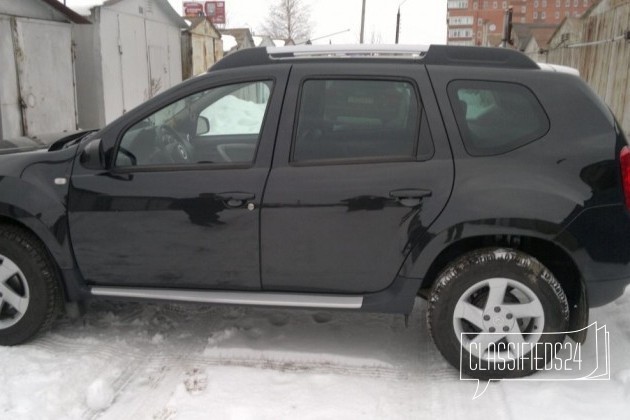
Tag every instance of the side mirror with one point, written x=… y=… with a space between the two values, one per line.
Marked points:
x=203 y=126
x=92 y=155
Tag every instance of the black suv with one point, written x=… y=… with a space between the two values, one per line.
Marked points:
x=346 y=178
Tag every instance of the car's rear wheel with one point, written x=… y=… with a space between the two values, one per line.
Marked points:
x=29 y=291
x=492 y=311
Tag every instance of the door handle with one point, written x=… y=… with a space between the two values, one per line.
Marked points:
x=235 y=199
x=409 y=197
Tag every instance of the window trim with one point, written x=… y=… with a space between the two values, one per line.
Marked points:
x=414 y=157
x=470 y=148
x=194 y=166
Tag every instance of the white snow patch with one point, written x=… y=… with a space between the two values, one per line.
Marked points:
x=100 y=395
x=232 y=115
x=276 y=364
x=218 y=337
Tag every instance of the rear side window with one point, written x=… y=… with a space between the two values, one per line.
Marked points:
x=496 y=117
x=349 y=119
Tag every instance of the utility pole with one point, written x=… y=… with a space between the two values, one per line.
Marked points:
x=398 y=20
x=362 y=22
x=397 y=24
x=507 y=27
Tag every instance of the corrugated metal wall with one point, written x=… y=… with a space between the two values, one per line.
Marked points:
x=37 y=93
x=596 y=47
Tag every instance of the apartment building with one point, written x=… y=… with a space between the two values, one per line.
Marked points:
x=480 y=22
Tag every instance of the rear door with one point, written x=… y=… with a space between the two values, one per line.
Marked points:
x=358 y=176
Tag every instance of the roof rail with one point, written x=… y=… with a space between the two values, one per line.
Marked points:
x=448 y=55
x=558 y=68
x=354 y=51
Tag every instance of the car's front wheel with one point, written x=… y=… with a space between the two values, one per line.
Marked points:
x=497 y=313
x=29 y=292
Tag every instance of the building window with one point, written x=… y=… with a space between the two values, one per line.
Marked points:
x=576 y=3
x=523 y=9
x=485 y=4
x=544 y=3
x=535 y=15
x=522 y=20
x=460 y=33
x=557 y=15
x=495 y=5
x=458 y=4
x=466 y=43
x=461 y=21
x=543 y=15
x=475 y=5
x=567 y=3
x=566 y=14
x=505 y=4
x=586 y=3
x=557 y=3
x=536 y=3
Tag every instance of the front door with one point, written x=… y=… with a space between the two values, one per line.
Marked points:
x=356 y=180
x=180 y=207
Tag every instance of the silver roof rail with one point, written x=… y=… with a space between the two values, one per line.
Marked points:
x=558 y=68
x=340 y=51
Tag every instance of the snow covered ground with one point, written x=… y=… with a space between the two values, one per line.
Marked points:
x=147 y=361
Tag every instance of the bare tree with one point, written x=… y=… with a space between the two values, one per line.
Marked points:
x=376 y=37
x=288 y=19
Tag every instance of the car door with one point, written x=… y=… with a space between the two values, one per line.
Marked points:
x=358 y=176
x=179 y=206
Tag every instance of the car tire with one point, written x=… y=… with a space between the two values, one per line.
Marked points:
x=30 y=297
x=509 y=295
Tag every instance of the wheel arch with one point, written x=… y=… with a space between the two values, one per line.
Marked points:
x=38 y=232
x=551 y=255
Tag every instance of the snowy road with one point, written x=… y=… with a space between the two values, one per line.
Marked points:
x=146 y=361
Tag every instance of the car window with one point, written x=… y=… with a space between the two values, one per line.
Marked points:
x=220 y=125
x=496 y=117
x=348 y=119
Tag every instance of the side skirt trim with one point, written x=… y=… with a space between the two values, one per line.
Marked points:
x=294 y=300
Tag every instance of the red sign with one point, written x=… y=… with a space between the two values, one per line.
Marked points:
x=193 y=8
x=215 y=10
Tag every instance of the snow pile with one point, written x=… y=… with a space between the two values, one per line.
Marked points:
x=100 y=395
x=231 y=115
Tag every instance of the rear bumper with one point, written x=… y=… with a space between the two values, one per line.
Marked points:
x=602 y=292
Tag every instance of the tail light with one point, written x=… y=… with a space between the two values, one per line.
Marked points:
x=624 y=158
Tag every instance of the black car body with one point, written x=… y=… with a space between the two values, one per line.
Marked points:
x=497 y=154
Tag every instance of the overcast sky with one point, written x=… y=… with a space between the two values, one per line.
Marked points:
x=422 y=21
